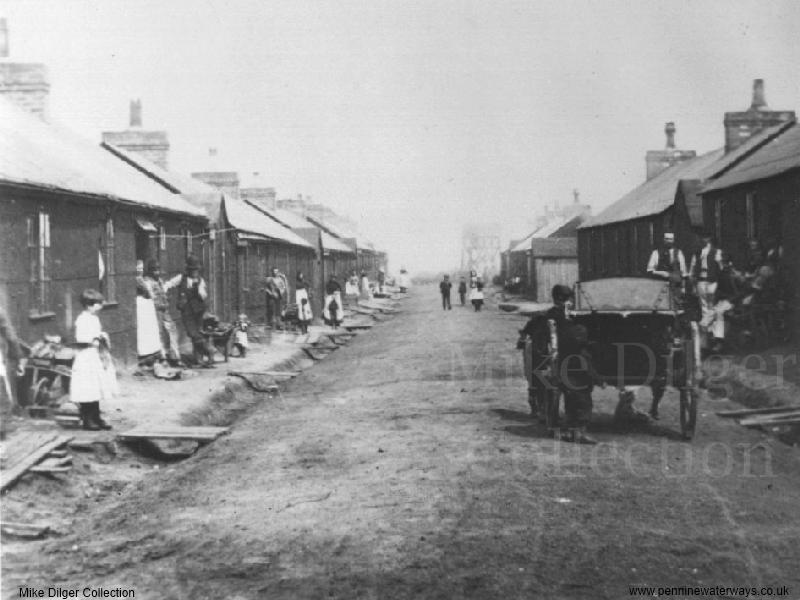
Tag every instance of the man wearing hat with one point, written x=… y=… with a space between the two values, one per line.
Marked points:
x=192 y=294
x=705 y=270
x=157 y=289
x=668 y=262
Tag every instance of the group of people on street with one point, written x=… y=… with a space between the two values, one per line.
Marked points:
x=712 y=281
x=475 y=291
x=708 y=280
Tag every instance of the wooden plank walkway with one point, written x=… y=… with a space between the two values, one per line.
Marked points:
x=198 y=434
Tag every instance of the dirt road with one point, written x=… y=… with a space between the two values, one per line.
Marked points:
x=405 y=466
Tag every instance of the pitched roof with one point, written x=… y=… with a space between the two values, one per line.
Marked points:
x=337 y=227
x=246 y=218
x=779 y=154
x=49 y=157
x=554 y=247
x=656 y=195
x=334 y=244
x=547 y=230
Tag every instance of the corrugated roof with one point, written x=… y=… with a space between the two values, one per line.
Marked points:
x=244 y=217
x=778 y=155
x=333 y=244
x=554 y=247
x=656 y=195
x=39 y=154
x=544 y=232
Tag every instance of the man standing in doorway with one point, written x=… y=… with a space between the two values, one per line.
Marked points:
x=192 y=294
x=275 y=289
x=444 y=288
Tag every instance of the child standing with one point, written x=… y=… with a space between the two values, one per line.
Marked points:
x=240 y=341
x=94 y=378
x=301 y=296
x=462 y=290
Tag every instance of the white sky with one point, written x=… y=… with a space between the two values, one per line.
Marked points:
x=415 y=117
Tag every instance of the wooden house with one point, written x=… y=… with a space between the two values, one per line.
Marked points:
x=244 y=243
x=74 y=217
x=759 y=198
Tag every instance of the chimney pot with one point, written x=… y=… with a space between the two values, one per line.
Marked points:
x=669 y=129
x=759 y=100
x=3 y=39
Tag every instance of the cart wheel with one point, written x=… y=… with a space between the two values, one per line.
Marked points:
x=39 y=394
x=689 y=401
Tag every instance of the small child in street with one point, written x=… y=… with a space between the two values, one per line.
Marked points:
x=240 y=341
x=578 y=378
x=94 y=377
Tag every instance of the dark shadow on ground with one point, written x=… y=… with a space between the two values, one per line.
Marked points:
x=511 y=415
x=601 y=424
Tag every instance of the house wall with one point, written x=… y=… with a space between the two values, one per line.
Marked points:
x=773 y=217
x=552 y=271
x=77 y=233
x=623 y=249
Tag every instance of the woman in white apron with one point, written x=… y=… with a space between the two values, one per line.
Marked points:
x=94 y=378
x=148 y=332
x=303 y=300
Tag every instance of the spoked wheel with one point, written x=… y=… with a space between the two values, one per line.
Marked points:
x=39 y=393
x=689 y=401
x=690 y=392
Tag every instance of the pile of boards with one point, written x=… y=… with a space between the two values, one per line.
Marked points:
x=765 y=417
x=39 y=453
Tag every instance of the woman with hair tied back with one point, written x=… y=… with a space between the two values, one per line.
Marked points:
x=94 y=378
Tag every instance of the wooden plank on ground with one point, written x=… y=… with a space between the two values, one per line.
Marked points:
x=745 y=412
x=24 y=530
x=10 y=476
x=783 y=419
x=199 y=434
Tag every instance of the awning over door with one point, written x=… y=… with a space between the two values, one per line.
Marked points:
x=145 y=225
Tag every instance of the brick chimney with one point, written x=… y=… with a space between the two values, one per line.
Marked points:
x=25 y=84
x=152 y=145
x=296 y=205
x=658 y=160
x=739 y=126
x=258 y=194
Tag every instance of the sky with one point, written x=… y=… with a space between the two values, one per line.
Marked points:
x=415 y=118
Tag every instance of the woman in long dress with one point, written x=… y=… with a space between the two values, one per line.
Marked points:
x=94 y=378
x=303 y=300
x=476 y=294
x=351 y=288
x=148 y=332
x=366 y=292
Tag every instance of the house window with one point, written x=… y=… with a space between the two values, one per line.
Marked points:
x=107 y=262
x=39 y=262
x=752 y=226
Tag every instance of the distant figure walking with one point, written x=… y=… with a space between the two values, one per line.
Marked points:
x=403 y=280
x=444 y=288
x=332 y=312
x=462 y=290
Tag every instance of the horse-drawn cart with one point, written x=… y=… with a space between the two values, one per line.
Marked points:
x=639 y=334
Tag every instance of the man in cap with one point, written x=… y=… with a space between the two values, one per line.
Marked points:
x=668 y=262
x=192 y=294
x=157 y=289
x=535 y=340
x=275 y=289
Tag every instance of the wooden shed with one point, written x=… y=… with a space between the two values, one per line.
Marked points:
x=74 y=217
x=759 y=198
x=554 y=261
x=618 y=241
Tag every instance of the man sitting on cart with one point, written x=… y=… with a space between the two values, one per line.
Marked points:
x=668 y=264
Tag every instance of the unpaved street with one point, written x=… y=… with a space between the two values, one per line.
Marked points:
x=405 y=466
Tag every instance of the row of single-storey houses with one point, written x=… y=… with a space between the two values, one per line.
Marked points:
x=747 y=190
x=77 y=215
